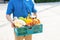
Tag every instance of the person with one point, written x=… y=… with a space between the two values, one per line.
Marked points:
x=20 y=8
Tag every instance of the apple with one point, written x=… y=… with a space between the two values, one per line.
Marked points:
x=36 y=21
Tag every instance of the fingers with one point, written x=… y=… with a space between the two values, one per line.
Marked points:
x=12 y=24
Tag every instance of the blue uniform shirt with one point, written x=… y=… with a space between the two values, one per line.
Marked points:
x=20 y=8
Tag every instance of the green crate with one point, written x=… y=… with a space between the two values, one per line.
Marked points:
x=26 y=30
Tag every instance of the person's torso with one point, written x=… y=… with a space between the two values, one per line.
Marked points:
x=21 y=8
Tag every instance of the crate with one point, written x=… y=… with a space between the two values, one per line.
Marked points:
x=26 y=30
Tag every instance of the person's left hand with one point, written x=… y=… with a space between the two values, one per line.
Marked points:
x=35 y=15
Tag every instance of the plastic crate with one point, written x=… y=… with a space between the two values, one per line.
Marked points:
x=26 y=30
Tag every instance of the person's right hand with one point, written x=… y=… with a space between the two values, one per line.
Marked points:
x=12 y=24
x=10 y=20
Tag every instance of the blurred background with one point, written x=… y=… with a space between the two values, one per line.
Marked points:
x=36 y=1
x=47 y=10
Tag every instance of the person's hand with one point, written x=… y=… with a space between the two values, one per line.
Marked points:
x=12 y=24
x=10 y=20
x=35 y=15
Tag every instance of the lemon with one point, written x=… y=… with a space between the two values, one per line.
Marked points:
x=28 y=20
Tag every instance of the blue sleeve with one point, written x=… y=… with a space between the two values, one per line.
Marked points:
x=33 y=9
x=10 y=7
